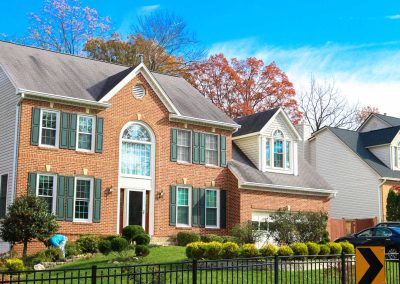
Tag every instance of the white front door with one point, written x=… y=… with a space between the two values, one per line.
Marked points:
x=135 y=207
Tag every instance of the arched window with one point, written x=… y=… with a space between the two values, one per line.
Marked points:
x=281 y=156
x=278 y=149
x=136 y=151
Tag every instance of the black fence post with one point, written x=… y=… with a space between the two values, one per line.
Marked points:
x=194 y=271
x=398 y=261
x=276 y=269
x=343 y=258
x=94 y=274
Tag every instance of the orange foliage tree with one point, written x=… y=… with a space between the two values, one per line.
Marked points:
x=363 y=113
x=244 y=87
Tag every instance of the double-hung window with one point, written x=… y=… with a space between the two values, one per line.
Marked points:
x=211 y=149
x=212 y=210
x=49 y=127
x=396 y=155
x=86 y=127
x=83 y=199
x=46 y=190
x=184 y=143
x=183 y=206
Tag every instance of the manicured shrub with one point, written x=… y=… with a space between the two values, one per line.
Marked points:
x=213 y=250
x=119 y=244
x=131 y=231
x=14 y=264
x=299 y=249
x=184 y=238
x=72 y=249
x=249 y=250
x=105 y=246
x=245 y=233
x=142 y=239
x=285 y=251
x=269 y=250
x=347 y=247
x=88 y=244
x=196 y=250
x=230 y=250
x=142 y=250
x=324 y=250
x=231 y=239
x=313 y=248
x=111 y=237
x=211 y=238
x=335 y=248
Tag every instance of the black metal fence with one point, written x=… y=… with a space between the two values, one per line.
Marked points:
x=275 y=270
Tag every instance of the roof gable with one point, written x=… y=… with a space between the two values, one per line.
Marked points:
x=387 y=121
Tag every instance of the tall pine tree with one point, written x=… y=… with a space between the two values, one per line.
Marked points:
x=392 y=206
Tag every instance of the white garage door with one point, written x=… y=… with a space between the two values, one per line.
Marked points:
x=261 y=219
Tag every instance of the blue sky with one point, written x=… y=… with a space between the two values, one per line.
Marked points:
x=355 y=43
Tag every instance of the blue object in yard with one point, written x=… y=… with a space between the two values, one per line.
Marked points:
x=59 y=241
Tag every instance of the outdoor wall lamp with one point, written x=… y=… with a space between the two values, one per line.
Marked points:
x=110 y=189
x=160 y=194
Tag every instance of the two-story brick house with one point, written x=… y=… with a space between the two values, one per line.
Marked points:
x=108 y=145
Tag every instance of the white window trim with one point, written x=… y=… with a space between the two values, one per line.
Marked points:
x=218 y=150
x=57 y=127
x=189 y=205
x=90 y=219
x=271 y=141
x=395 y=155
x=93 y=133
x=218 y=209
x=190 y=146
x=54 y=202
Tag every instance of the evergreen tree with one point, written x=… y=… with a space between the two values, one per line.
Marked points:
x=392 y=206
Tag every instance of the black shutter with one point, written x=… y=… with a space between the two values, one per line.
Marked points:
x=3 y=197
x=99 y=134
x=222 y=210
x=32 y=184
x=172 y=206
x=174 y=141
x=195 y=207
x=60 y=205
x=202 y=207
x=35 y=126
x=97 y=201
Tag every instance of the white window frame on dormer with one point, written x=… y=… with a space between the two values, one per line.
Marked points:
x=269 y=164
x=396 y=156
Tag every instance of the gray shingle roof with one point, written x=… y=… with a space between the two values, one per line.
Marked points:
x=379 y=136
x=306 y=178
x=255 y=122
x=50 y=72
x=391 y=120
x=355 y=141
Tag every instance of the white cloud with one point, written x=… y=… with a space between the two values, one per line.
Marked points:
x=148 y=9
x=368 y=73
x=393 y=17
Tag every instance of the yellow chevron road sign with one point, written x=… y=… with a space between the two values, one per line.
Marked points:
x=370 y=265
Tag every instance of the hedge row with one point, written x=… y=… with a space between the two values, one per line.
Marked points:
x=218 y=250
x=184 y=238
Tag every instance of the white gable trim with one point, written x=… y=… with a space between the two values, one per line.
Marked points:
x=291 y=126
x=368 y=118
x=141 y=68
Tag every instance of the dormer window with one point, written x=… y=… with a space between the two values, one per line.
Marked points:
x=281 y=155
x=396 y=156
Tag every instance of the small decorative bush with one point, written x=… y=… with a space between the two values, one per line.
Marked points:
x=335 y=248
x=131 y=231
x=324 y=250
x=142 y=239
x=231 y=239
x=347 y=247
x=105 y=246
x=214 y=250
x=196 y=250
x=72 y=249
x=184 y=238
x=14 y=264
x=249 y=250
x=142 y=250
x=269 y=250
x=211 y=238
x=313 y=248
x=88 y=244
x=299 y=249
x=244 y=233
x=111 y=237
x=230 y=250
x=285 y=251
x=48 y=255
x=119 y=244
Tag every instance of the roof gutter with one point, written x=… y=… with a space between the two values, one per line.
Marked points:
x=176 y=117
x=249 y=185
x=28 y=94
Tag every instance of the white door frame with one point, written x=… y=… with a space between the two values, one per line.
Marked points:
x=126 y=213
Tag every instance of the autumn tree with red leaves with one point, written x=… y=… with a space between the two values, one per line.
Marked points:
x=366 y=111
x=244 y=87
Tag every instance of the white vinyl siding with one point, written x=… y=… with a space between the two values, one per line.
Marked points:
x=374 y=123
x=382 y=153
x=8 y=115
x=250 y=147
x=279 y=123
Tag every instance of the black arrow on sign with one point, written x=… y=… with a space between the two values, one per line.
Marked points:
x=375 y=266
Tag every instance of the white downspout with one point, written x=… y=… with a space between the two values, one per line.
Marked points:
x=380 y=199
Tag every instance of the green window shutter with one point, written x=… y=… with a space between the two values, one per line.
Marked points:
x=195 y=207
x=64 y=131
x=35 y=126
x=32 y=184
x=202 y=207
x=202 y=148
x=222 y=144
x=60 y=206
x=196 y=147
x=174 y=141
x=70 y=187
x=72 y=131
x=99 y=134
x=3 y=197
x=172 y=206
x=97 y=201
x=222 y=209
